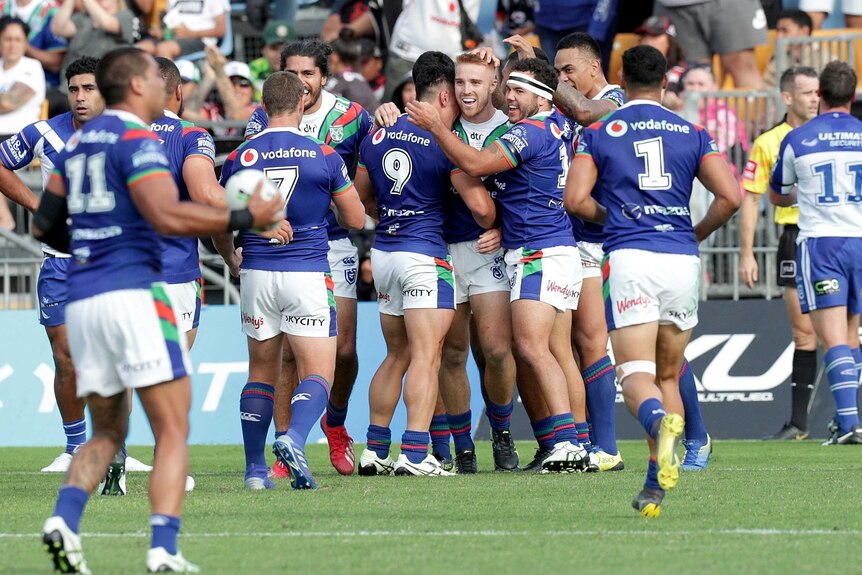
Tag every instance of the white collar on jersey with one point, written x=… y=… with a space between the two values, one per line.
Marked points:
x=125 y=116
x=171 y=115
x=636 y=102
x=601 y=93
x=270 y=130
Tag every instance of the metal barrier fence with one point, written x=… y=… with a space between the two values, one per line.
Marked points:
x=817 y=51
x=735 y=118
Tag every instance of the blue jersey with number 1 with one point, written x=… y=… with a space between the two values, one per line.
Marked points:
x=113 y=247
x=647 y=158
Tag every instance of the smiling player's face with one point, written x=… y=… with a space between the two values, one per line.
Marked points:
x=520 y=103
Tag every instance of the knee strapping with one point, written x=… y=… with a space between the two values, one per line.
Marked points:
x=631 y=367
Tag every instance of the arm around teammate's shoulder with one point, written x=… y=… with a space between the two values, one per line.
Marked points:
x=716 y=176
x=477 y=199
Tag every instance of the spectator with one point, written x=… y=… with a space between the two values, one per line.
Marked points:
x=729 y=28
x=189 y=27
x=22 y=81
x=425 y=25
x=43 y=46
x=796 y=24
x=275 y=35
x=342 y=80
x=100 y=27
x=371 y=66
x=515 y=17
x=341 y=15
x=820 y=9
x=658 y=32
x=405 y=92
x=235 y=89
x=557 y=18
x=716 y=116
x=190 y=76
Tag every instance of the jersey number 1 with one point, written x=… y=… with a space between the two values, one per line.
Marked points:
x=655 y=178
x=825 y=172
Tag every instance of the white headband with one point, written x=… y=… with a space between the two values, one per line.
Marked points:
x=531 y=84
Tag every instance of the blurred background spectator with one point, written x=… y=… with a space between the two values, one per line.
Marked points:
x=794 y=23
x=344 y=81
x=405 y=92
x=658 y=32
x=344 y=13
x=188 y=27
x=22 y=81
x=235 y=88
x=515 y=17
x=275 y=35
x=96 y=28
x=371 y=66
x=820 y=9
x=729 y=28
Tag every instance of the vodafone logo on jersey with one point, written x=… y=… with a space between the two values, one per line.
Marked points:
x=378 y=136
x=617 y=128
x=555 y=130
x=248 y=158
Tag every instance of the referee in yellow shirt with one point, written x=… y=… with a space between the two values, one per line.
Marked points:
x=800 y=92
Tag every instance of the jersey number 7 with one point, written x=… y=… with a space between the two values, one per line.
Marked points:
x=285 y=180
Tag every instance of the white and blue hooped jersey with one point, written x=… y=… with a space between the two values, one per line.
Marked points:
x=44 y=140
x=647 y=158
x=823 y=158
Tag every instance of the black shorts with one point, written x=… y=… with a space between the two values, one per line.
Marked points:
x=787 y=256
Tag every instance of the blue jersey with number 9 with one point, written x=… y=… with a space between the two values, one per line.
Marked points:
x=647 y=158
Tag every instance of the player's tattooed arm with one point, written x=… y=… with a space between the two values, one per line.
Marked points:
x=16 y=97
x=580 y=108
x=473 y=162
x=577 y=197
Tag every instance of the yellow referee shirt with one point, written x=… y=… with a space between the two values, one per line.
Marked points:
x=755 y=177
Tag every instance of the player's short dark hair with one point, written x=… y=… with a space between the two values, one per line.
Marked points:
x=583 y=42
x=83 y=65
x=282 y=92
x=799 y=17
x=170 y=74
x=115 y=71
x=837 y=84
x=7 y=21
x=431 y=70
x=541 y=71
x=315 y=49
x=644 y=67
x=787 y=83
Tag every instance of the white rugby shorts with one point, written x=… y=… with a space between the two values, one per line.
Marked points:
x=344 y=262
x=551 y=275
x=186 y=300
x=407 y=280
x=477 y=273
x=591 y=259
x=644 y=287
x=295 y=303
x=125 y=339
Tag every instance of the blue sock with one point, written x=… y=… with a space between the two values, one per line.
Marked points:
x=307 y=404
x=165 y=529
x=76 y=434
x=335 y=416
x=461 y=426
x=70 y=505
x=123 y=451
x=843 y=382
x=564 y=428
x=650 y=413
x=601 y=388
x=414 y=444
x=652 y=475
x=379 y=439
x=499 y=416
x=255 y=412
x=440 y=436
x=279 y=433
x=695 y=428
x=857 y=357
x=543 y=430
x=582 y=429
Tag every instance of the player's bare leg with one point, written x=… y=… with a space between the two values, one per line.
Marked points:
x=65 y=392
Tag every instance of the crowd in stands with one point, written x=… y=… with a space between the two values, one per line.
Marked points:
x=709 y=44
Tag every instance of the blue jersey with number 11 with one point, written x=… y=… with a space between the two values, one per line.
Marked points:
x=647 y=158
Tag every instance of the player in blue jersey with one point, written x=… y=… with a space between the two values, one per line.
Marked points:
x=642 y=160
x=112 y=184
x=528 y=164
x=341 y=124
x=824 y=159
x=287 y=289
x=191 y=151
x=406 y=178
x=43 y=140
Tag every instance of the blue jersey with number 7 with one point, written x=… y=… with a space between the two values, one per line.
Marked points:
x=647 y=158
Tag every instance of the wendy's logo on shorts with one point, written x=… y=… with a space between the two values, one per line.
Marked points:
x=626 y=304
x=554 y=287
x=251 y=320
x=383 y=297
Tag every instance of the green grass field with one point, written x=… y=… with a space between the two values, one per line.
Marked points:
x=759 y=508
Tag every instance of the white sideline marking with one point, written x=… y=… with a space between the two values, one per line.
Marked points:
x=481 y=533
